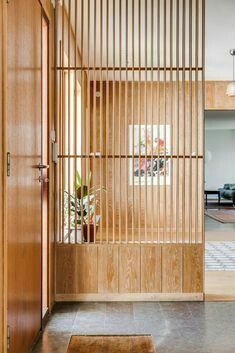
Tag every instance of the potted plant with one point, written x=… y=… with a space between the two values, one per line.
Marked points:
x=81 y=205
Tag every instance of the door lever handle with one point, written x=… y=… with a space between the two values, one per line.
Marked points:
x=42 y=166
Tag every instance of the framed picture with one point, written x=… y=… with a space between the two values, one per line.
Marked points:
x=149 y=140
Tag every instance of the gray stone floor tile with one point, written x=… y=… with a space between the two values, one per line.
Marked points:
x=175 y=327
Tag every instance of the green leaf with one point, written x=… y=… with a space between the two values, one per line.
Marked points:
x=88 y=178
x=79 y=180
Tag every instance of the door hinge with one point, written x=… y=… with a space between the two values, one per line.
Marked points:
x=8 y=338
x=8 y=164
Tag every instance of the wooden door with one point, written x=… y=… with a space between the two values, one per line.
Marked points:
x=23 y=185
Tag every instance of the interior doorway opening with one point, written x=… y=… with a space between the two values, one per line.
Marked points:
x=220 y=205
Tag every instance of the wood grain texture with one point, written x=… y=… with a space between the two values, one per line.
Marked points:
x=108 y=269
x=66 y=269
x=23 y=187
x=193 y=268
x=172 y=268
x=48 y=8
x=132 y=206
x=86 y=269
x=151 y=268
x=3 y=240
x=220 y=285
x=52 y=187
x=127 y=297
x=216 y=98
x=129 y=269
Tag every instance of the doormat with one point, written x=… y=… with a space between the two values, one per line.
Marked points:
x=111 y=344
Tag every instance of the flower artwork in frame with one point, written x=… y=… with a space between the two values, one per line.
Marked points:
x=150 y=146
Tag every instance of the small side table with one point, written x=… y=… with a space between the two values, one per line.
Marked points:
x=212 y=192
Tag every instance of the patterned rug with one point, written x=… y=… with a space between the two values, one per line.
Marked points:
x=220 y=256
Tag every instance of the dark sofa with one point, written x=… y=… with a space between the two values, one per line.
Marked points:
x=228 y=192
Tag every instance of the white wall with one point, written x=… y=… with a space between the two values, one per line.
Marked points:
x=220 y=38
x=220 y=150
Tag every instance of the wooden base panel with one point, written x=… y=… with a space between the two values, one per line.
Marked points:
x=125 y=271
x=135 y=297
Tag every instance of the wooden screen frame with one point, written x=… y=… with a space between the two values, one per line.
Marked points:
x=83 y=268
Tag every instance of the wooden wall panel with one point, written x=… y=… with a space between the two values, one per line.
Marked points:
x=116 y=271
x=193 y=268
x=172 y=268
x=66 y=264
x=108 y=269
x=151 y=270
x=216 y=98
x=86 y=269
x=129 y=269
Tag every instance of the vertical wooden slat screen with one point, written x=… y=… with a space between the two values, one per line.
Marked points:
x=130 y=112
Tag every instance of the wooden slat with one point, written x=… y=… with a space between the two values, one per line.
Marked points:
x=177 y=126
x=151 y=95
x=75 y=116
x=119 y=119
x=172 y=268
x=108 y=269
x=126 y=120
x=158 y=114
x=101 y=107
x=94 y=130
x=151 y=268
x=88 y=118
x=107 y=147
x=69 y=98
x=113 y=122
x=62 y=98
x=129 y=269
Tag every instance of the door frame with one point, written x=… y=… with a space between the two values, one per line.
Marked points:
x=46 y=19
x=210 y=297
x=3 y=114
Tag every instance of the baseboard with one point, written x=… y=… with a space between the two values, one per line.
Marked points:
x=122 y=297
x=219 y=297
